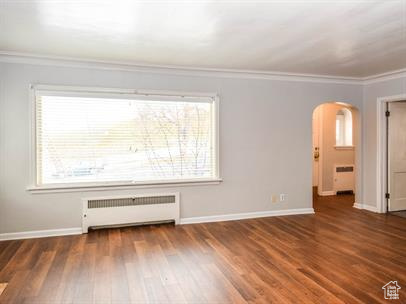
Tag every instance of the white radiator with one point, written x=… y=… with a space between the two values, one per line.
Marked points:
x=344 y=178
x=132 y=209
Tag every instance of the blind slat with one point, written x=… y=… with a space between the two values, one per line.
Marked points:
x=82 y=139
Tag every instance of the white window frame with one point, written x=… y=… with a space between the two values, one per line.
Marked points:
x=344 y=131
x=118 y=93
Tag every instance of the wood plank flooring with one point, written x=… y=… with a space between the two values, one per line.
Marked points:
x=338 y=255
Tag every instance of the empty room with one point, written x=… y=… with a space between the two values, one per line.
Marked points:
x=202 y=151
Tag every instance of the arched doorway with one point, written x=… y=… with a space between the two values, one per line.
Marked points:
x=336 y=153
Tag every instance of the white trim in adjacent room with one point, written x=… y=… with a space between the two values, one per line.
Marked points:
x=327 y=193
x=344 y=147
x=242 y=216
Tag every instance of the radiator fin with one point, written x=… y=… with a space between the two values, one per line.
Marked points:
x=345 y=169
x=130 y=201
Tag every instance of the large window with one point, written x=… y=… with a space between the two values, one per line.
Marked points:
x=93 y=138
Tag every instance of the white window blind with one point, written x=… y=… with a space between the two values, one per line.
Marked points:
x=99 y=139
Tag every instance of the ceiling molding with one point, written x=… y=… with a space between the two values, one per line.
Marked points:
x=385 y=76
x=26 y=58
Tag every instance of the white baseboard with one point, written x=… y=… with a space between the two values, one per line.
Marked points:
x=189 y=220
x=39 y=233
x=241 y=216
x=366 y=207
x=327 y=193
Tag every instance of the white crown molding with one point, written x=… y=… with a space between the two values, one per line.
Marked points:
x=242 y=216
x=25 y=58
x=384 y=76
x=35 y=59
x=39 y=233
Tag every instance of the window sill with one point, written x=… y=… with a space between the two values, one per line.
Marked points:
x=344 y=147
x=124 y=186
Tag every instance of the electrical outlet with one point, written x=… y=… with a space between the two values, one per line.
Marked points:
x=274 y=198
x=282 y=197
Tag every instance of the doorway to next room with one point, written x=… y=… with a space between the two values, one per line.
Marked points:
x=334 y=138
x=396 y=158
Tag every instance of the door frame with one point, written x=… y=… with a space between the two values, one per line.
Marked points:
x=320 y=144
x=382 y=145
x=357 y=142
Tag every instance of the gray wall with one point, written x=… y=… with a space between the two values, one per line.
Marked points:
x=371 y=93
x=265 y=143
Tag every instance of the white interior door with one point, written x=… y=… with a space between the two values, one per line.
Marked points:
x=397 y=156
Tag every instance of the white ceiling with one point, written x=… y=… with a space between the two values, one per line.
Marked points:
x=342 y=38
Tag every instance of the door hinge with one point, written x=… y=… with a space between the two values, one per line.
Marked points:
x=387 y=195
x=387 y=113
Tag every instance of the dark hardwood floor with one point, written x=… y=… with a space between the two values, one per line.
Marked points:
x=338 y=255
